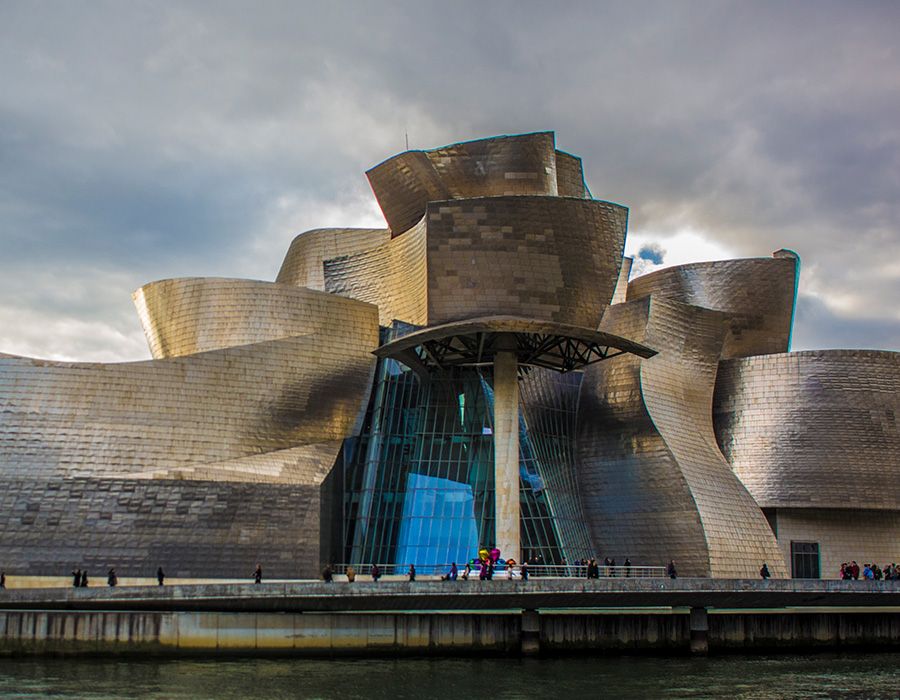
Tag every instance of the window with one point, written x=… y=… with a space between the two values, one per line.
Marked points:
x=805 y=559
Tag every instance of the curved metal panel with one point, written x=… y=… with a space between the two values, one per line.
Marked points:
x=813 y=429
x=506 y=165
x=393 y=276
x=656 y=486
x=757 y=294
x=163 y=414
x=550 y=258
x=304 y=266
x=203 y=464
x=190 y=315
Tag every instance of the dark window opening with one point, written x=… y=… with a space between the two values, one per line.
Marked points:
x=805 y=559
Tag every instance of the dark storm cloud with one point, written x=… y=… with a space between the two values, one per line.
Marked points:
x=156 y=139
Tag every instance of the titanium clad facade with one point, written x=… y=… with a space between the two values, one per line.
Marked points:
x=276 y=423
x=200 y=463
x=507 y=165
x=303 y=265
x=648 y=456
x=188 y=316
x=758 y=294
x=392 y=276
x=814 y=429
x=547 y=258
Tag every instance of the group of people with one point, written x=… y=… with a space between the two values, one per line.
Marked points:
x=592 y=568
x=852 y=572
x=79 y=578
x=328 y=573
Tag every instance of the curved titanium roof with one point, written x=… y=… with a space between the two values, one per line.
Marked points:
x=557 y=346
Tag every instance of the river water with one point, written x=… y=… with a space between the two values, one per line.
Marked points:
x=836 y=676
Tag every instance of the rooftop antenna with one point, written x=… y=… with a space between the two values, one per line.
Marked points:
x=407 y=140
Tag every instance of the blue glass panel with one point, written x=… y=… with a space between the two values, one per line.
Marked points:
x=438 y=523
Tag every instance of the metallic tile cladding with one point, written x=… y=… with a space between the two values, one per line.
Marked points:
x=214 y=459
x=758 y=295
x=505 y=165
x=187 y=316
x=549 y=258
x=303 y=265
x=656 y=485
x=570 y=176
x=61 y=419
x=813 y=429
x=392 y=276
x=250 y=437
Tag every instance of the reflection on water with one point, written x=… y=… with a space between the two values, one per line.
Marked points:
x=839 y=677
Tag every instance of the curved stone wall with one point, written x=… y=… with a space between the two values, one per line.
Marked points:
x=813 y=429
x=190 y=315
x=757 y=293
x=655 y=485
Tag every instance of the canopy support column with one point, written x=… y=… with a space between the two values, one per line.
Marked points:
x=506 y=454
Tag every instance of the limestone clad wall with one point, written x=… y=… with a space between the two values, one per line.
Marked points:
x=863 y=536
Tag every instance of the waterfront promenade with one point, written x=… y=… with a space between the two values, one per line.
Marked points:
x=472 y=595
x=511 y=617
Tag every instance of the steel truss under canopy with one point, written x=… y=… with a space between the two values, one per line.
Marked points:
x=474 y=343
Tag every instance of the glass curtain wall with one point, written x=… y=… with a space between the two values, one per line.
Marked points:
x=419 y=481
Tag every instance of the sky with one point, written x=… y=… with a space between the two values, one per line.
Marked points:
x=142 y=141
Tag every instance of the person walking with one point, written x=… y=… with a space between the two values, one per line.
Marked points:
x=76 y=578
x=160 y=575
x=376 y=572
x=327 y=574
x=84 y=579
x=257 y=574
x=670 y=570
x=111 y=579
x=764 y=571
x=351 y=574
x=412 y=572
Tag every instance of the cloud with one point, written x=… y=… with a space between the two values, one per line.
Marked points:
x=156 y=139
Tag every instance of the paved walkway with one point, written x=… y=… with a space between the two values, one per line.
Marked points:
x=535 y=594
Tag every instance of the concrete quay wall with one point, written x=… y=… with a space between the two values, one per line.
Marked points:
x=444 y=633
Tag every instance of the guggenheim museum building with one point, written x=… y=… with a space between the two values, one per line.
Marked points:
x=481 y=373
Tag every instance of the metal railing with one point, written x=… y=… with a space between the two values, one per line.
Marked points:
x=432 y=572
